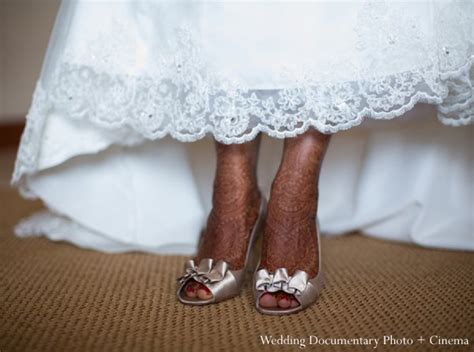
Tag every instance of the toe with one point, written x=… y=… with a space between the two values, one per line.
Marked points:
x=268 y=300
x=294 y=303
x=204 y=293
x=191 y=289
x=284 y=301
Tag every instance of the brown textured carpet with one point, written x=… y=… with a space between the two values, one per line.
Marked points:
x=56 y=297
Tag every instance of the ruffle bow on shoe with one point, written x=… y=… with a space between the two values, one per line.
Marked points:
x=205 y=273
x=281 y=281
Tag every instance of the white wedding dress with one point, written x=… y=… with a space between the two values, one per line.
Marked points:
x=125 y=83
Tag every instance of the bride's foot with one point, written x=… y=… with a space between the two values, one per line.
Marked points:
x=290 y=233
x=236 y=202
x=290 y=237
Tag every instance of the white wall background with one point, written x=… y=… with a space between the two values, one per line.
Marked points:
x=25 y=26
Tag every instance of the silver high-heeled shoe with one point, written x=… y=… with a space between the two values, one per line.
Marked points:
x=304 y=289
x=223 y=282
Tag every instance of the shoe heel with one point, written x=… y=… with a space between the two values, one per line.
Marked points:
x=256 y=246
x=255 y=254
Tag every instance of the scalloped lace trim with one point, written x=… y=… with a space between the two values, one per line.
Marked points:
x=187 y=105
x=191 y=107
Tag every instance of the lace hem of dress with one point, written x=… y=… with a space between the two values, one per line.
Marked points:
x=187 y=104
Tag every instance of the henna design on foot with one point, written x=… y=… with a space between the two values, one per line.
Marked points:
x=290 y=229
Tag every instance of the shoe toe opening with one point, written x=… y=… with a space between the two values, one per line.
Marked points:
x=278 y=301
